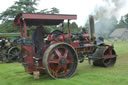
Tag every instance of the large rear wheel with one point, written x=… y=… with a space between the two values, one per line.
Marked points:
x=60 y=61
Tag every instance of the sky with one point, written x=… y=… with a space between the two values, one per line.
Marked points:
x=82 y=8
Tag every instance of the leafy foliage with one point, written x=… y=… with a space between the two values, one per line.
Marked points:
x=25 y=6
x=28 y=6
x=21 y=6
x=74 y=27
x=8 y=27
x=123 y=23
x=53 y=10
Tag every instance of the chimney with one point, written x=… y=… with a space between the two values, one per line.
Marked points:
x=92 y=30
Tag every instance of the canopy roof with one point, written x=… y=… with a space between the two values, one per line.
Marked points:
x=42 y=19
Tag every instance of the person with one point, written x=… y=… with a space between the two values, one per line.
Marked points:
x=2 y=43
x=38 y=38
x=84 y=38
x=83 y=30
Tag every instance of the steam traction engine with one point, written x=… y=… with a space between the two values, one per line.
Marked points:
x=62 y=51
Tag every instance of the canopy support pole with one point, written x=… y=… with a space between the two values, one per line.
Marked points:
x=25 y=29
x=69 y=29
x=21 y=31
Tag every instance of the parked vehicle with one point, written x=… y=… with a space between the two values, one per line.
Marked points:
x=9 y=51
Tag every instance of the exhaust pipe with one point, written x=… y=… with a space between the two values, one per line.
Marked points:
x=92 y=30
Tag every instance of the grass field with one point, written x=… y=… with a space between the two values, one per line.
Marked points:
x=13 y=74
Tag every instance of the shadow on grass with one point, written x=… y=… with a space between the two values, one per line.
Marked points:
x=28 y=77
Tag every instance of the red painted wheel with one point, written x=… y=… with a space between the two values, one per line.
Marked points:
x=60 y=61
x=108 y=60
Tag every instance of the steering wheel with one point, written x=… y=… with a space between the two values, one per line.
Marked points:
x=56 y=33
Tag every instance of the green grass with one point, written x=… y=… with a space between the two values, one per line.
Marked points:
x=14 y=74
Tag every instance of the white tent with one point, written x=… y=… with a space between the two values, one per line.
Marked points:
x=121 y=33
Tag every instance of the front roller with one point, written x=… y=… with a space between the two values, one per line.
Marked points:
x=108 y=58
x=60 y=61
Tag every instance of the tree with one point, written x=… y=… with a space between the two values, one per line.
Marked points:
x=51 y=11
x=74 y=27
x=126 y=19
x=25 y=6
x=87 y=26
x=44 y=11
x=8 y=27
x=54 y=10
x=123 y=23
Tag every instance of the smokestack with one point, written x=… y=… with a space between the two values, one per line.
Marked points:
x=92 y=30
